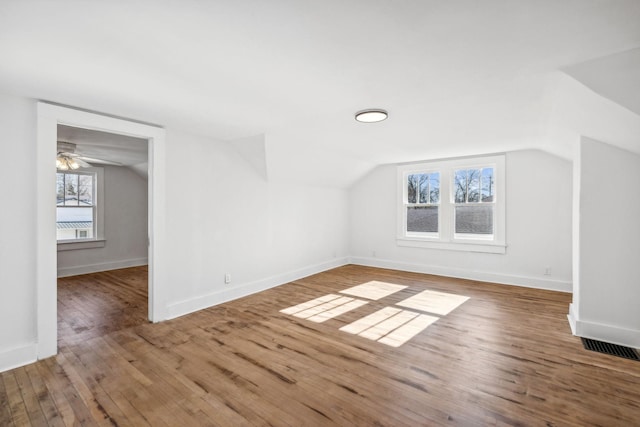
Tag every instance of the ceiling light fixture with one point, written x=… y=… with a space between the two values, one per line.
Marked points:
x=65 y=163
x=67 y=159
x=371 y=115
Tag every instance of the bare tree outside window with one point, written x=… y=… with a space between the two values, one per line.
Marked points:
x=453 y=204
x=474 y=191
x=423 y=197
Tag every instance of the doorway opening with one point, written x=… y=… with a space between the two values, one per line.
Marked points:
x=50 y=118
x=101 y=233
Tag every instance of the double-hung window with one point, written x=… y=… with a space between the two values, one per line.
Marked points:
x=75 y=205
x=422 y=206
x=80 y=209
x=473 y=195
x=456 y=204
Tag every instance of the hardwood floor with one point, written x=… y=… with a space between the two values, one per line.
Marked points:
x=504 y=357
x=93 y=305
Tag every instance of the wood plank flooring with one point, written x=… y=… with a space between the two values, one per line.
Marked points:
x=504 y=357
x=93 y=305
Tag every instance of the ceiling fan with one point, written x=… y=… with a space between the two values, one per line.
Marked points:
x=68 y=159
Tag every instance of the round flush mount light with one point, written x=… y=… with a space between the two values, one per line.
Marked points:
x=371 y=115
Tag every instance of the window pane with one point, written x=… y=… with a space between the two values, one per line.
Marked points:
x=434 y=187
x=413 y=183
x=71 y=190
x=473 y=185
x=424 y=188
x=467 y=184
x=72 y=222
x=460 y=186
x=60 y=189
x=422 y=219
x=85 y=190
x=488 y=186
x=474 y=219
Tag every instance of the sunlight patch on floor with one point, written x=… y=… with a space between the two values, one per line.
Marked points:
x=373 y=290
x=391 y=326
x=434 y=302
x=309 y=304
x=324 y=308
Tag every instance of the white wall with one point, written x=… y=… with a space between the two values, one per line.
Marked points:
x=606 y=298
x=125 y=227
x=538 y=227
x=17 y=232
x=223 y=217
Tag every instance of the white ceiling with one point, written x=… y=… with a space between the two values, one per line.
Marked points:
x=457 y=77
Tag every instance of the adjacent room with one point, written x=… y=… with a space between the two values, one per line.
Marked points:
x=101 y=226
x=320 y=213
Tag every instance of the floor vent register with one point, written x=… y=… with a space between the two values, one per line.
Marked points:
x=611 y=349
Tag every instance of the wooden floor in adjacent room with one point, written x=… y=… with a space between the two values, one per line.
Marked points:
x=93 y=305
x=505 y=356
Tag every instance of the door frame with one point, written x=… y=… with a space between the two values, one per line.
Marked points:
x=49 y=117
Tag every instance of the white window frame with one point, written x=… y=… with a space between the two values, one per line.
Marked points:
x=446 y=238
x=98 y=240
x=421 y=235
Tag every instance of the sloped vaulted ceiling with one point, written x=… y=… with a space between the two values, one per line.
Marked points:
x=616 y=77
x=457 y=77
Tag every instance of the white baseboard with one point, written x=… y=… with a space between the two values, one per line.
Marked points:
x=484 y=276
x=104 y=266
x=18 y=356
x=205 y=301
x=602 y=332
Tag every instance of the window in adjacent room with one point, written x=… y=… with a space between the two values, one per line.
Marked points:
x=76 y=205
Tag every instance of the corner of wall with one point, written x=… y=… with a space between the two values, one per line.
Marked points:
x=602 y=332
x=18 y=356
x=253 y=151
x=573 y=318
x=605 y=280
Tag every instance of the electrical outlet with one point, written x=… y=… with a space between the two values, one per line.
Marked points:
x=227 y=278
x=547 y=271
x=373 y=254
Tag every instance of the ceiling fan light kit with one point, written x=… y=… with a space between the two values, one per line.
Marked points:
x=65 y=163
x=68 y=159
x=371 y=115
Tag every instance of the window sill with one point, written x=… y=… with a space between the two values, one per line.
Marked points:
x=72 y=245
x=467 y=246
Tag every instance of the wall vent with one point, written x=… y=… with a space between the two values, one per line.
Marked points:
x=612 y=349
